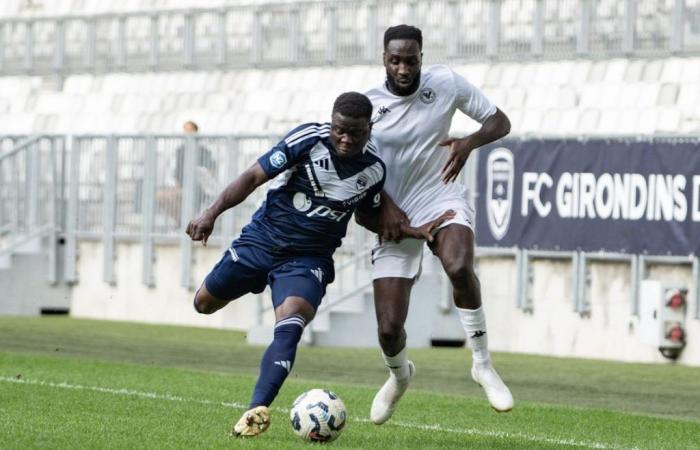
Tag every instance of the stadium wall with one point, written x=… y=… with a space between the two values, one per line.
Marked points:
x=550 y=327
x=128 y=299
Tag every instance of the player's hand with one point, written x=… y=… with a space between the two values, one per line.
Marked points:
x=459 y=150
x=425 y=231
x=200 y=228
x=392 y=219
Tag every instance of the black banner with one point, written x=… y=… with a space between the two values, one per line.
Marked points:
x=592 y=195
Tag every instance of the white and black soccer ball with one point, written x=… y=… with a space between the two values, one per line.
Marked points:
x=318 y=416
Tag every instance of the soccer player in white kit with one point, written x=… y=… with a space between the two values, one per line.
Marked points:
x=413 y=110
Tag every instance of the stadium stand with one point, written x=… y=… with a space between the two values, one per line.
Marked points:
x=74 y=68
x=569 y=97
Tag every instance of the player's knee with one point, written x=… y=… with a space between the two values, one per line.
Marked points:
x=200 y=305
x=204 y=304
x=462 y=275
x=390 y=329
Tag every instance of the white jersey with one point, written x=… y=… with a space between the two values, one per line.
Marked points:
x=407 y=130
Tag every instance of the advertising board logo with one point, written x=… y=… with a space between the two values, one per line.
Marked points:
x=499 y=191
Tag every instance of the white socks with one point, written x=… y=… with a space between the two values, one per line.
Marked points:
x=474 y=324
x=398 y=364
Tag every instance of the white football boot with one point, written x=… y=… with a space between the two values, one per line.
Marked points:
x=385 y=401
x=496 y=391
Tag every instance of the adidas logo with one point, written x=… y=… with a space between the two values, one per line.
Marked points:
x=319 y=274
x=478 y=334
x=383 y=110
x=286 y=364
x=324 y=163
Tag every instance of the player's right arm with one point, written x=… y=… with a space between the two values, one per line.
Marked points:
x=278 y=159
x=238 y=190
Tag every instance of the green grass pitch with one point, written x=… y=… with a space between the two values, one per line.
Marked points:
x=67 y=383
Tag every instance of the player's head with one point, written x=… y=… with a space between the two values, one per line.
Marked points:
x=190 y=127
x=350 y=123
x=403 y=57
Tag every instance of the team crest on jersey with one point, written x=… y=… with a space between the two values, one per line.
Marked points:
x=361 y=182
x=301 y=202
x=427 y=95
x=499 y=191
x=278 y=159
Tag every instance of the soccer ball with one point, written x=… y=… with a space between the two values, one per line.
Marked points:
x=318 y=416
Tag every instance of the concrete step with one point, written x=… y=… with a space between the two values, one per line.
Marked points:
x=428 y=321
x=30 y=270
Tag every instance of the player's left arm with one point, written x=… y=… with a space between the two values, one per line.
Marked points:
x=494 y=125
x=369 y=215
x=494 y=128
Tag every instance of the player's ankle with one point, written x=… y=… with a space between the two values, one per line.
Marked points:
x=398 y=365
x=481 y=362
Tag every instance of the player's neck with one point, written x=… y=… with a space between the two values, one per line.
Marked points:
x=396 y=90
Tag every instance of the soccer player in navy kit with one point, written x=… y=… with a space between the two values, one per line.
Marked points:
x=323 y=173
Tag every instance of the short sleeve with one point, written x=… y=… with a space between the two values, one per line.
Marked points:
x=471 y=101
x=292 y=149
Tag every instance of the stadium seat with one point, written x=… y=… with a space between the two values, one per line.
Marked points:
x=532 y=122
x=690 y=70
x=590 y=95
x=668 y=94
x=627 y=121
x=580 y=72
x=648 y=121
x=608 y=122
x=510 y=75
x=78 y=84
x=648 y=95
x=474 y=73
x=669 y=120
x=515 y=98
x=652 y=71
x=688 y=98
x=568 y=124
x=588 y=122
x=615 y=71
x=672 y=70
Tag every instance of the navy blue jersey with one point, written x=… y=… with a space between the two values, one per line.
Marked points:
x=314 y=193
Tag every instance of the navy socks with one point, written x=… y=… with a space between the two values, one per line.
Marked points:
x=278 y=359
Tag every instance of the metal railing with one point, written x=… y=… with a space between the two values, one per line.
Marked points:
x=128 y=188
x=307 y=33
x=139 y=188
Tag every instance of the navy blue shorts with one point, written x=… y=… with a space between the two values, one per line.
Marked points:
x=244 y=268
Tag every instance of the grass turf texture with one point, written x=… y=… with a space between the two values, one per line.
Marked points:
x=89 y=384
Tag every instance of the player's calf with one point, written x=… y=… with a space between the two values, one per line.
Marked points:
x=278 y=360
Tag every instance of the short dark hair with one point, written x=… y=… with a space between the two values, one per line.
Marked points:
x=353 y=104
x=403 y=32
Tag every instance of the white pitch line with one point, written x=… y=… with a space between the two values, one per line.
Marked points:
x=440 y=428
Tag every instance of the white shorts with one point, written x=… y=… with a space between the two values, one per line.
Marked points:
x=403 y=260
